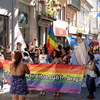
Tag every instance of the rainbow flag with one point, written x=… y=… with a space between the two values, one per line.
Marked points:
x=90 y=48
x=51 y=77
x=51 y=42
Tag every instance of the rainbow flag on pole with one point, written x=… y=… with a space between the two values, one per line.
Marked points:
x=51 y=77
x=51 y=42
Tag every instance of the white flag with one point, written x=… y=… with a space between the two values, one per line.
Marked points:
x=20 y=39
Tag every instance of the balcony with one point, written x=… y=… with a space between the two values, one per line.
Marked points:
x=74 y=4
x=43 y=13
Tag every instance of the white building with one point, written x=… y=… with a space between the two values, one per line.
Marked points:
x=14 y=15
x=94 y=21
x=99 y=17
x=8 y=21
x=82 y=17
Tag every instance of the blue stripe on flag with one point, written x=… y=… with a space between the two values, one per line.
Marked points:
x=51 y=31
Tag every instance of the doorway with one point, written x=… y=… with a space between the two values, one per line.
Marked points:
x=4 y=36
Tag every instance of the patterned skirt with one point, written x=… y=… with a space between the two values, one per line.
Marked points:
x=19 y=85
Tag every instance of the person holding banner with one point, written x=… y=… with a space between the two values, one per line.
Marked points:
x=56 y=60
x=91 y=75
x=65 y=56
x=18 y=70
x=43 y=59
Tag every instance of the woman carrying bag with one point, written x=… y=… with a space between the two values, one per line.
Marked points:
x=91 y=75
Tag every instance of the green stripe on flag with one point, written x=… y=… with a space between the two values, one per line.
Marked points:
x=52 y=37
x=51 y=80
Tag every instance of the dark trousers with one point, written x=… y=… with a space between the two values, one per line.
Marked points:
x=1 y=77
x=90 y=82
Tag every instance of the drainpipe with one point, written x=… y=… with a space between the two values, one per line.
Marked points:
x=12 y=25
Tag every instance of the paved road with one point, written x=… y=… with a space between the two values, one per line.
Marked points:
x=49 y=95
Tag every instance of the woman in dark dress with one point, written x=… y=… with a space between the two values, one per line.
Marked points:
x=18 y=88
x=56 y=60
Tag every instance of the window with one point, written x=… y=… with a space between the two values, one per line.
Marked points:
x=23 y=18
x=59 y=15
x=74 y=22
x=68 y=14
x=74 y=17
x=63 y=13
x=71 y=15
x=71 y=21
x=68 y=20
x=4 y=35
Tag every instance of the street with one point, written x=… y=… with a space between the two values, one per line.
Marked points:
x=49 y=95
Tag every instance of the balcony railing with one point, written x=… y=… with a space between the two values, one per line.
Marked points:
x=43 y=11
x=75 y=4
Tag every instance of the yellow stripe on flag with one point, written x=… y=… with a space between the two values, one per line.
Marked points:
x=52 y=42
x=64 y=74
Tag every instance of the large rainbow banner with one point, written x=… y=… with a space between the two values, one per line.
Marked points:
x=51 y=77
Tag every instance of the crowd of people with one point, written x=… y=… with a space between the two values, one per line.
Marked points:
x=31 y=54
x=38 y=55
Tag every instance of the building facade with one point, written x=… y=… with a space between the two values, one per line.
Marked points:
x=33 y=20
x=83 y=20
x=60 y=26
x=8 y=22
x=94 y=20
x=27 y=19
x=72 y=7
x=16 y=15
x=98 y=17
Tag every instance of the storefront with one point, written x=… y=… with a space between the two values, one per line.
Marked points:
x=60 y=31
